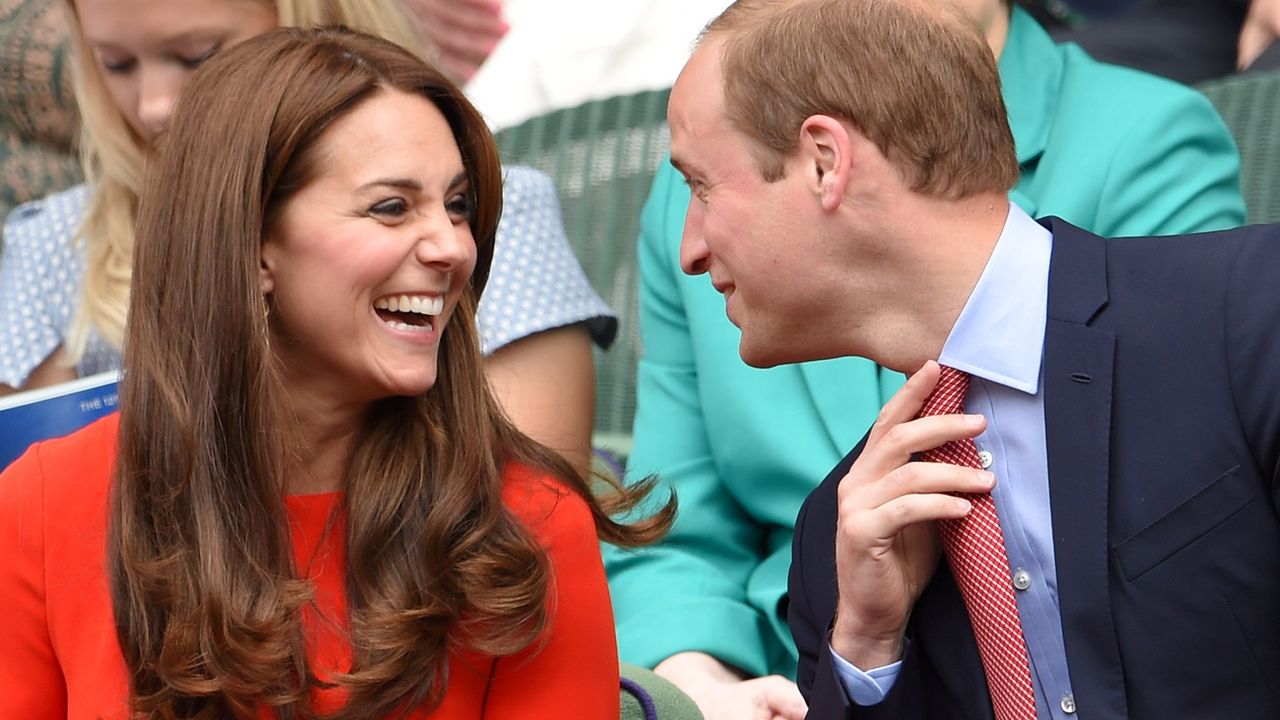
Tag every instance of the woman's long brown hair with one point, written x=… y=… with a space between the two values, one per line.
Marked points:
x=207 y=601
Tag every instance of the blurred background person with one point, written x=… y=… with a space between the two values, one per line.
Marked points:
x=1111 y=149
x=463 y=32
x=559 y=53
x=37 y=107
x=316 y=505
x=64 y=275
x=1185 y=40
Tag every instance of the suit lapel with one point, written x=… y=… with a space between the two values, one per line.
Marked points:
x=1078 y=361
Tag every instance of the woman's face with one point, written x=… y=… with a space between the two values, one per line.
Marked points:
x=365 y=264
x=146 y=49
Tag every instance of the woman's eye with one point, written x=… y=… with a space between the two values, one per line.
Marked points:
x=194 y=62
x=459 y=207
x=393 y=208
x=118 y=67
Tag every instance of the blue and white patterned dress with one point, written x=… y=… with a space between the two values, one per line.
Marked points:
x=536 y=282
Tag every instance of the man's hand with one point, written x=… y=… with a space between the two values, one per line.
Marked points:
x=1261 y=28
x=723 y=694
x=463 y=31
x=886 y=545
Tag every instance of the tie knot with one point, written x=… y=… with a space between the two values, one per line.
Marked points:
x=948 y=396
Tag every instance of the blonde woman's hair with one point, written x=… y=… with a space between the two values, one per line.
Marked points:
x=113 y=154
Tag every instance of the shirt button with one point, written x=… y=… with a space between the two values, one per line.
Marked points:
x=1022 y=581
x=1069 y=704
x=984 y=459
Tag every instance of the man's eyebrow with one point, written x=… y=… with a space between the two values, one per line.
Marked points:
x=681 y=167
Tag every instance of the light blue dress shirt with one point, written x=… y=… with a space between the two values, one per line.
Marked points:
x=999 y=340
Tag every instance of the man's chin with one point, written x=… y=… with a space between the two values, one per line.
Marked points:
x=766 y=353
x=761 y=356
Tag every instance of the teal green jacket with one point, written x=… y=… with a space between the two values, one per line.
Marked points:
x=1112 y=150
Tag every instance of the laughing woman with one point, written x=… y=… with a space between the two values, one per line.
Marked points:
x=64 y=273
x=309 y=503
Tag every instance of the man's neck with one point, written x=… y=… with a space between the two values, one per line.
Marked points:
x=947 y=245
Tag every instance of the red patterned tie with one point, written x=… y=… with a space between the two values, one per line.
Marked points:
x=975 y=548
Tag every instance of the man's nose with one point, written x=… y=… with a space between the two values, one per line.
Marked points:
x=693 y=248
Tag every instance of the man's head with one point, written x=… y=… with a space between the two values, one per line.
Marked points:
x=914 y=76
x=799 y=123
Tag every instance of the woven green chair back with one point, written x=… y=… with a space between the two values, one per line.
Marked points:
x=1250 y=105
x=37 y=108
x=602 y=156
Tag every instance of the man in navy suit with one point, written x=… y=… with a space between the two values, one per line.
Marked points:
x=849 y=162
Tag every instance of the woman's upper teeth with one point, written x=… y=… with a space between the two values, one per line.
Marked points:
x=420 y=304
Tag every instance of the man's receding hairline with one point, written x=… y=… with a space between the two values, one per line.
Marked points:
x=765 y=10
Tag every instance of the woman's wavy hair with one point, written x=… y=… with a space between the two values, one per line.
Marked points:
x=112 y=155
x=207 y=600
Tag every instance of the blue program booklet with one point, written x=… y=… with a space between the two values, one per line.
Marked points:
x=35 y=415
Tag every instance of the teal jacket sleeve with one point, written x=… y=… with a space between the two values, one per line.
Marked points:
x=689 y=592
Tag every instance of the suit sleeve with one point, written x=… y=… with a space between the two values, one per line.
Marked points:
x=1253 y=347
x=811 y=586
x=572 y=671
x=31 y=682
x=1176 y=171
x=689 y=592
x=815 y=676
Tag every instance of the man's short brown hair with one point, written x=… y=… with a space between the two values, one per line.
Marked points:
x=915 y=77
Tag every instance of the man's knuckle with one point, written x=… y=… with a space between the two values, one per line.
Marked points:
x=895 y=435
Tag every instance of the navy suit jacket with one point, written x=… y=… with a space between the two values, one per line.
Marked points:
x=1161 y=383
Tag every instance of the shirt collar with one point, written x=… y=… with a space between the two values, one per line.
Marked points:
x=999 y=335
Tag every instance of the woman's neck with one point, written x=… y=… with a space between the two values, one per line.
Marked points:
x=996 y=29
x=319 y=444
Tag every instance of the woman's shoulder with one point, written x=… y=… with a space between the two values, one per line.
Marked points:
x=536 y=282
x=530 y=209
x=522 y=181
x=69 y=472
x=545 y=504
x=50 y=218
x=53 y=503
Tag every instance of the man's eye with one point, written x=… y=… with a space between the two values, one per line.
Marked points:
x=696 y=187
x=392 y=208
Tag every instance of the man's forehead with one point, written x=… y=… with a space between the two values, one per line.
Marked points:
x=697 y=98
x=699 y=82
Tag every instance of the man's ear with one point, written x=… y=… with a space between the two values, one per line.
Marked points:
x=826 y=149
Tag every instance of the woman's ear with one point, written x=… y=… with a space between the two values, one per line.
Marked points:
x=826 y=151
x=266 y=270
